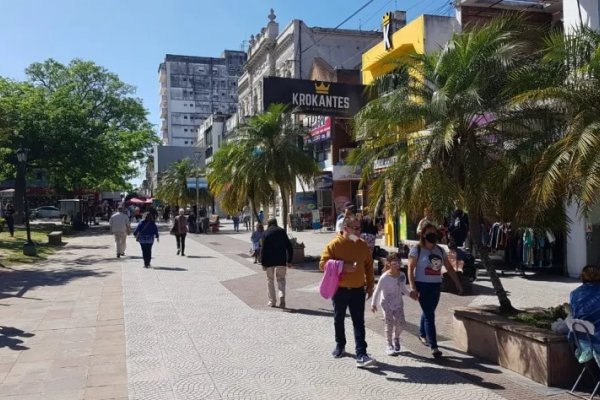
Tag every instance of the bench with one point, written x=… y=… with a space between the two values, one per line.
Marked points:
x=55 y=238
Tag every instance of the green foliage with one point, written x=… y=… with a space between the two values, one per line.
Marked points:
x=173 y=189
x=541 y=319
x=263 y=157
x=79 y=122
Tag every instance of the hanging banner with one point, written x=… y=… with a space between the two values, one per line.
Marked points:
x=314 y=97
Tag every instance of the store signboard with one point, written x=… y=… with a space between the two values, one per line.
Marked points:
x=346 y=172
x=324 y=181
x=320 y=131
x=314 y=97
x=305 y=202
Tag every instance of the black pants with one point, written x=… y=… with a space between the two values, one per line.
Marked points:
x=181 y=242
x=146 y=252
x=10 y=221
x=354 y=299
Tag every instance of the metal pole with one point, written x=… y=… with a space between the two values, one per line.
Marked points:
x=197 y=200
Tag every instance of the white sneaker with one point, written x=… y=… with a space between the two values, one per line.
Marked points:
x=389 y=350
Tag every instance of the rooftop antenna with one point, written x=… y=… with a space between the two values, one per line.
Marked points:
x=243 y=45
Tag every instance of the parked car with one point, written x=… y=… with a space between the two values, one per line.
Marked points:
x=46 y=212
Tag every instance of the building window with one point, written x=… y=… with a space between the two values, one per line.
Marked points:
x=185 y=117
x=185 y=129
x=185 y=104
x=186 y=142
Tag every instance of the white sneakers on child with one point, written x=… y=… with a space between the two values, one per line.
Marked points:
x=393 y=350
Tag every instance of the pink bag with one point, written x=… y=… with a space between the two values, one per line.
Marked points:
x=331 y=278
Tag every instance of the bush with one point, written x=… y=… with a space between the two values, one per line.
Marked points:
x=541 y=319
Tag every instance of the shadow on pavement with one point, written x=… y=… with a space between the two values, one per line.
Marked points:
x=169 y=268
x=429 y=375
x=9 y=338
x=455 y=363
x=320 y=312
x=200 y=257
x=17 y=283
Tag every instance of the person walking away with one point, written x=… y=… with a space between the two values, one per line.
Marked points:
x=458 y=228
x=191 y=221
x=388 y=293
x=145 y=233
x=368 y=232
x=180 y=229
x=356 y=281
x=167 y=213
x=9 y=217
x=236 y=222
x=261 y=216
x=425 y=276
x=120 y=228
x=256 y=240
x=275 y=256
x=348 y=211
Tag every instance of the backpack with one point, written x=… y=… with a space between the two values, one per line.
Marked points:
x=331 y=278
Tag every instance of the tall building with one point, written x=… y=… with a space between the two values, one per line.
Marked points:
x=193 y=88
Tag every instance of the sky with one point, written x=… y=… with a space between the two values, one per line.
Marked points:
x=131 y=37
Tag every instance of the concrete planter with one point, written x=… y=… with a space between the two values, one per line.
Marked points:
x=539 y=354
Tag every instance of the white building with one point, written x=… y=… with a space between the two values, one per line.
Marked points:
x=291 y=54
x=583 y=240
x=193 y=88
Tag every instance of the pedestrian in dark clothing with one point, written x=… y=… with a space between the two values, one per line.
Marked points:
x=180 y=229
x=145 y=233
x=275 y=257
x=9 y=213
x=458 y=227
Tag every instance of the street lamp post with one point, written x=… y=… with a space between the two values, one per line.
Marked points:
x=197 y=157
x=29 y=247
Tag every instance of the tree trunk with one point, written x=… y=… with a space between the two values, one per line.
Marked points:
x=19 y=195
x=253 y=214
x=506 y=306
x=284 y=208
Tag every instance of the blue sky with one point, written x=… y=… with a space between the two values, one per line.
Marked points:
x=131 y=37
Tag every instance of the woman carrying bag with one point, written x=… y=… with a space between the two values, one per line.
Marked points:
x=145 y=233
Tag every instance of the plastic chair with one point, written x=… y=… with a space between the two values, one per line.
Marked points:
x=584 y=352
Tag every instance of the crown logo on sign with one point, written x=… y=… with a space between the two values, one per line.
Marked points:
x=387 y=17
x=322 y=88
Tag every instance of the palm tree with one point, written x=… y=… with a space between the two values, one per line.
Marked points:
x=566 y=85
x=264 y=157
x=443 y=125
x=230 y=181
x=173 y=188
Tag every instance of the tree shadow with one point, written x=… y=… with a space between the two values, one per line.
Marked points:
x=18 y=282
x=430 y=375
x=9 y=338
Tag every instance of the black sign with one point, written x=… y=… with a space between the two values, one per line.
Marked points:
x=315 y=97
x=324 y=181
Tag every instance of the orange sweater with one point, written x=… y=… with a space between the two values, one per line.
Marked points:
x=346 y=250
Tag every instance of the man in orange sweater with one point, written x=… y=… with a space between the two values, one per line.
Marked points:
x=355 y=280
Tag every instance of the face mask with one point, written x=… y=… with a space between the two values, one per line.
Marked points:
x=431 y=238
x=353 y=237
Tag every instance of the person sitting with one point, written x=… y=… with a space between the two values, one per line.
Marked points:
x=585 y=300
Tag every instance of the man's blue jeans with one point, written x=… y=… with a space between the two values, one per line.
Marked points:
x=354 y=299
x=429 y=297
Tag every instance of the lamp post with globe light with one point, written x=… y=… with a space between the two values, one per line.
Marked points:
x=29 y=247
x=197 y=158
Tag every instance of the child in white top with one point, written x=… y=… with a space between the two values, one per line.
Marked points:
x=390 y=288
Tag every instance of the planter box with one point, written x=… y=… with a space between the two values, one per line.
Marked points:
x=298 y=255
x=539 y=354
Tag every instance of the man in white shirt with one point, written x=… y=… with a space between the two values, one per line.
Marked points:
x=119 y=226
x=348 y=211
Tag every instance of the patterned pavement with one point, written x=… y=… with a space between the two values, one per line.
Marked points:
x=85 y=325
x=188 y=337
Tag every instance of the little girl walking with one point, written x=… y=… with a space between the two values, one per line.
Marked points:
x=390 y=288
